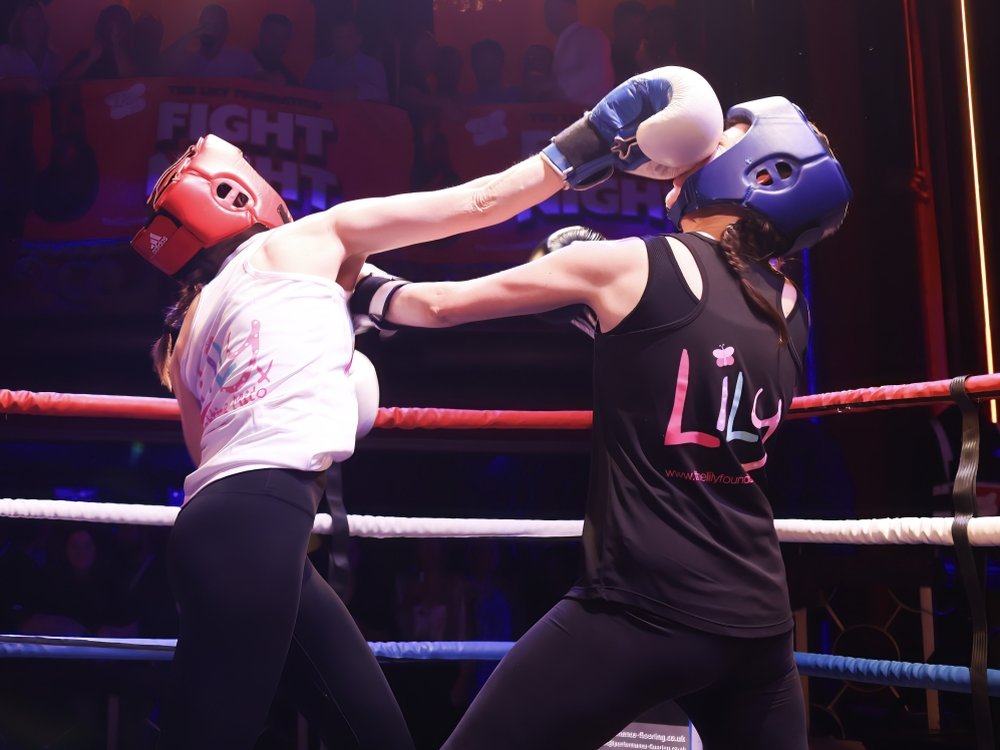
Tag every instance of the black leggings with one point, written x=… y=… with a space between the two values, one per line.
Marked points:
x=250 y=602
x=584 y=671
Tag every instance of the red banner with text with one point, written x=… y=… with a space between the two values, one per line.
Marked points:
x=97 y=148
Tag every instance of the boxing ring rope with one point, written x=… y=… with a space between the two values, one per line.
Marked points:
x=983 y=532
x=406 y=418
x=872 y=671
x=935 y=531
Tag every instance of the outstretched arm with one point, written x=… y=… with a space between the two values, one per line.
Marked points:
x=373 y=225
x=656 y=124
x=671 y=112
x=607 y=276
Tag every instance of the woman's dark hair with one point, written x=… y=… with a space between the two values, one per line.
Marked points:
x=192 y=276
x=163 y=348
x=753 y=237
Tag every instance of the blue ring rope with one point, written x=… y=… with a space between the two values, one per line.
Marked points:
x=874 y=671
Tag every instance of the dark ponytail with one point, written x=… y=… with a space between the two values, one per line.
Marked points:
x=163 y=348
x=753 y=237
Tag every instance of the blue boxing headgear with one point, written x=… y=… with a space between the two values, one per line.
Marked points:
x=780 y=168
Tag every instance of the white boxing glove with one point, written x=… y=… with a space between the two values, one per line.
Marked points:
x=656 y=124
x=684 y=134
x=363 y=377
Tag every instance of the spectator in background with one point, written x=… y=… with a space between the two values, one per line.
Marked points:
x=348 y=72
x=430 y=596
x=81 y=591
x=431 y=604
x=66 y=187
x=147 y=40
x=419 y=73
x=538 y=82
x=142 y=573
x=26 y=62
x=629 y=28
x=659 y=43
x=274 y=39
x=110 y=55
x=433 y=169
x=24 y=548
x=203 y=51
x=582 y=57
x=427 y=102
x=487 y=58
x=491 y=613
x=27 y=67
x=448 y=73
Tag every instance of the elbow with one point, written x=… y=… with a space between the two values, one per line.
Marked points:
x=440 y=316
x=483 y=200
x=440 y=310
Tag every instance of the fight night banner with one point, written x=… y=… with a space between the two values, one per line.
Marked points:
x=97 y=147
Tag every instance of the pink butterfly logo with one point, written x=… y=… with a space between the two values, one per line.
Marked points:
x=723 y=356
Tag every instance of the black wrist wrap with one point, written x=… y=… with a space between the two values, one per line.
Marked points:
x=579 y=143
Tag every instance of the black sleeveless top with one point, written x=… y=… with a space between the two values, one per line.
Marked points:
x=677 y=524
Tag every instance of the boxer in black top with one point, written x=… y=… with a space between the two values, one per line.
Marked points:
x=699 y=345
x=258 y=350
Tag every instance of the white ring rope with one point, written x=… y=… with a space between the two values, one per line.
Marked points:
x=983 y=532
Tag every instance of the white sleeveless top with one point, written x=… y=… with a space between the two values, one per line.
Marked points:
x=267 y=359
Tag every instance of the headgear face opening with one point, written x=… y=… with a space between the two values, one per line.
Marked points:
x=210 y=195
x=780 y=169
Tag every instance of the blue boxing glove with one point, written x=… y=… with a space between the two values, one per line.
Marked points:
x=581 y=317
x=657 y=124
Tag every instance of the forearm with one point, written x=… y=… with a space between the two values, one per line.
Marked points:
x=373 y=225
x=551 y=282
x=420 y=306
x=443 y=304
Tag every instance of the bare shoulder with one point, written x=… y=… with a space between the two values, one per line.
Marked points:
x=307 y=246
x=688 y=265
x=617 y=272
x=605 y=260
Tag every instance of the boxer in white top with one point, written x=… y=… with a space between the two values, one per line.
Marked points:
x=258 y=351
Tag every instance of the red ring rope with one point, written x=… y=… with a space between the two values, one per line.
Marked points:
x=410 y=418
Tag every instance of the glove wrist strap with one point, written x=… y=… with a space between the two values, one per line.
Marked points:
x=378 y=308
x=580 y=155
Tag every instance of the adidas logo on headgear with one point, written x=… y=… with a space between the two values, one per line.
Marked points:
x=156 y=241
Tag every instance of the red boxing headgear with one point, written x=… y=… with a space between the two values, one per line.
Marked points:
x=208 y=196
